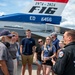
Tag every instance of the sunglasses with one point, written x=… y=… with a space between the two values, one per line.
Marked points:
x=39 y=41
x=9 y=37
x=13 y=36
x=47 y=39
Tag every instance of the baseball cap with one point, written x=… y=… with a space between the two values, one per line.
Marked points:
x=6 y=33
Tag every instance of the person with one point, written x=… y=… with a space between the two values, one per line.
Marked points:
x=27 y=49
x=37 y=55
x=65 y=64
x=55 y=41
x=13 y=50
x=6 y=62
x=61 y=45
x=16 y=40
x=48 y=52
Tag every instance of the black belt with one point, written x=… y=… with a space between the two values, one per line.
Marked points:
x=14 y=58
x=27 y=54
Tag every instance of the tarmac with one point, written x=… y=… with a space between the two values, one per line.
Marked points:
x=26 y=73
x=34 y=70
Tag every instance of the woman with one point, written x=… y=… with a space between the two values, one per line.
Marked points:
x=38 y=56
x=48 y=52
x=13 y=51
x=61 y=45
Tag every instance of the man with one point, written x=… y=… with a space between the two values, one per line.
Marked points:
x=6 y=63
x=65 y=64
x=55 y=40
x=27 y=48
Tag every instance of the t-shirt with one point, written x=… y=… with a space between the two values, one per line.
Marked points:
x=27 y=44
x=13 y=50
x=5 y=55
x=39 y=51
x=49 y=51
x=56 y=44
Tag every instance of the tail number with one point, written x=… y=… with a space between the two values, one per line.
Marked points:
x=47 y=19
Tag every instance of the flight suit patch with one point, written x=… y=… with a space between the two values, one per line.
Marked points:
x=61 y=54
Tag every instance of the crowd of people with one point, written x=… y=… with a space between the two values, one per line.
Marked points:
x=50 y=55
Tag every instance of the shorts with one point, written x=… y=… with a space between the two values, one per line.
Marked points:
x=27 y=59
x=39 y=62
x=48 y=62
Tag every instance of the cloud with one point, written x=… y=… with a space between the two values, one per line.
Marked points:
x=14 y=6
x=68 y=24
x=69 y=14
x=2 y=13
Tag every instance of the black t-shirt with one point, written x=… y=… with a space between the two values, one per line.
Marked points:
x=27 y=44
x=38 y=51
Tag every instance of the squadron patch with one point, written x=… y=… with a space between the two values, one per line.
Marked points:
x=61 y=54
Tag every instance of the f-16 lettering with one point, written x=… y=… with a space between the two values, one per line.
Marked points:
x=45 y=10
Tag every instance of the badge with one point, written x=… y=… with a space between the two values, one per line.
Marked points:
x=61 y=54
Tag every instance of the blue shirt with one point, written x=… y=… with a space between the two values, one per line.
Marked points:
x=56 y=43
x=27 y=44
x=49 y=51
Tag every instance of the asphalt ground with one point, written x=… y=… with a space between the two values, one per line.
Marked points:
x=26 y=73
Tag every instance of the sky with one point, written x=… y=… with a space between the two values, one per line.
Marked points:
x=13 y=6
x=18 y=6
